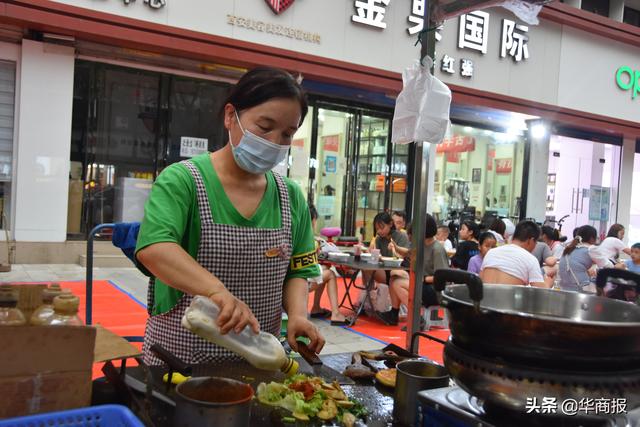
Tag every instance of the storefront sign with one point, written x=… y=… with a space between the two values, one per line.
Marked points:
x=153 y=4
x=277 y=29
x=457 y=144
x=628 y=79
x=504 y=166
x=190 y=147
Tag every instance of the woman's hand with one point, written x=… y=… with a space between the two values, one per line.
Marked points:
x=234 y=314
x=300 y=326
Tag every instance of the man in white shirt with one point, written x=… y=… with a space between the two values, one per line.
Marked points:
x=513 y=264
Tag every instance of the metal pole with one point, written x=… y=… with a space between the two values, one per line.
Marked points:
x=89 y=281
x=420 y=194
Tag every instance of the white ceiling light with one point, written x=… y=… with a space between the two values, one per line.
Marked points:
x=538 y=131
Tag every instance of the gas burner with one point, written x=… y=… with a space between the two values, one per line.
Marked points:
x=510 y=386
x=454 y=407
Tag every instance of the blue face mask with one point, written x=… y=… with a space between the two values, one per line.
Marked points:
x=257 y=155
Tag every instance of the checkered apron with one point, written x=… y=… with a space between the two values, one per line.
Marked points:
x=236 y=256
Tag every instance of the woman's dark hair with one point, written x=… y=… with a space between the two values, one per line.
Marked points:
x=550 y=233
x=263 y=84
x=586 y=234
x=383 y=218
x=313 y=212
x=485 y=236
x=473 y=228
x=430 y=227
x=498 y=226
x=576 y=231
x=614 y=230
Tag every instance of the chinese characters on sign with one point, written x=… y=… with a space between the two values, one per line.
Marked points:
x=371 y=12
x=417 y=16
x=153 y=4
x=474 y=28
x=514 y=40
x=190 y=147
x=571 y=407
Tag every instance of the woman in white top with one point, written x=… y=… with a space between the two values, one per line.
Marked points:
x=579 y=259
x=613 y=245
x=552 y=238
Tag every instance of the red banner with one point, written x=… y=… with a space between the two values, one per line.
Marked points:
x=504 y=166
x=457 y=144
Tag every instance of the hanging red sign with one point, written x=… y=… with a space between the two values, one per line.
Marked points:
x=457 y=144
x=504 y=165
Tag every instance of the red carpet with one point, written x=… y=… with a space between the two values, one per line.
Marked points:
x=113 y=308
x=375 y=329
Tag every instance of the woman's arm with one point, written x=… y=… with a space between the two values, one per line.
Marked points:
x=627 y=251
x=295 y=299
x=170 y=263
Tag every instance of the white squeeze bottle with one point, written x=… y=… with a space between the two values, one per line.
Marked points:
x=262 y=350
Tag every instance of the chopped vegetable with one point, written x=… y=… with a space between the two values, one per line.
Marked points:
x=310 y=397
x=289 y=420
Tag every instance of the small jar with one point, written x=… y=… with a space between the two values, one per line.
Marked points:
x=65 y=308
x=45 y=311
x=10 y=315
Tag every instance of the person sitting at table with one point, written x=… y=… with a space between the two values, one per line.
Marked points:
x=435 y=257
x=443 y=237
x=391 y=243
x=487 y=242
x=513 y=264
x=327 y=280
x=468 y=245
x=399 y=220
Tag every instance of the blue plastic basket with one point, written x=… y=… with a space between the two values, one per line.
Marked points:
x=93 y=416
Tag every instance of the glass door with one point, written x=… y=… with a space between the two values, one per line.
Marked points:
x=582 y=183
x=122 y=145
x=330 y=184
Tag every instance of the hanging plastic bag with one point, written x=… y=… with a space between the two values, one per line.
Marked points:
x=422 y=107
x=526 y=10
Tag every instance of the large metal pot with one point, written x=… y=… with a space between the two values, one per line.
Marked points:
x=212 y=402
x=541 y=327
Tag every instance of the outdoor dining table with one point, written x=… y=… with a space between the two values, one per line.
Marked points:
x=349 y=269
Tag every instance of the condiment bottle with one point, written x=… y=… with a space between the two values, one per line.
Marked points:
x=65 y=308
x=262 y=350
x=45 y=311
x=357 y=251
x=10 y=315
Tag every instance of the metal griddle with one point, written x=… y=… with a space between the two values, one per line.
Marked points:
x=377 y=399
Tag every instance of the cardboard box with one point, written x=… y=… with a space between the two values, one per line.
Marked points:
x=45 y=368
x=49 y=368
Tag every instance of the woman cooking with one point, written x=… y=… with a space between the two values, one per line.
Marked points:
x=222 y=225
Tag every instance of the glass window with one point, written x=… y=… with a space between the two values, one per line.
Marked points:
x=599 y=7
x=478 y=171
x=195 y=111
x=7 y=110
x=631 y=16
